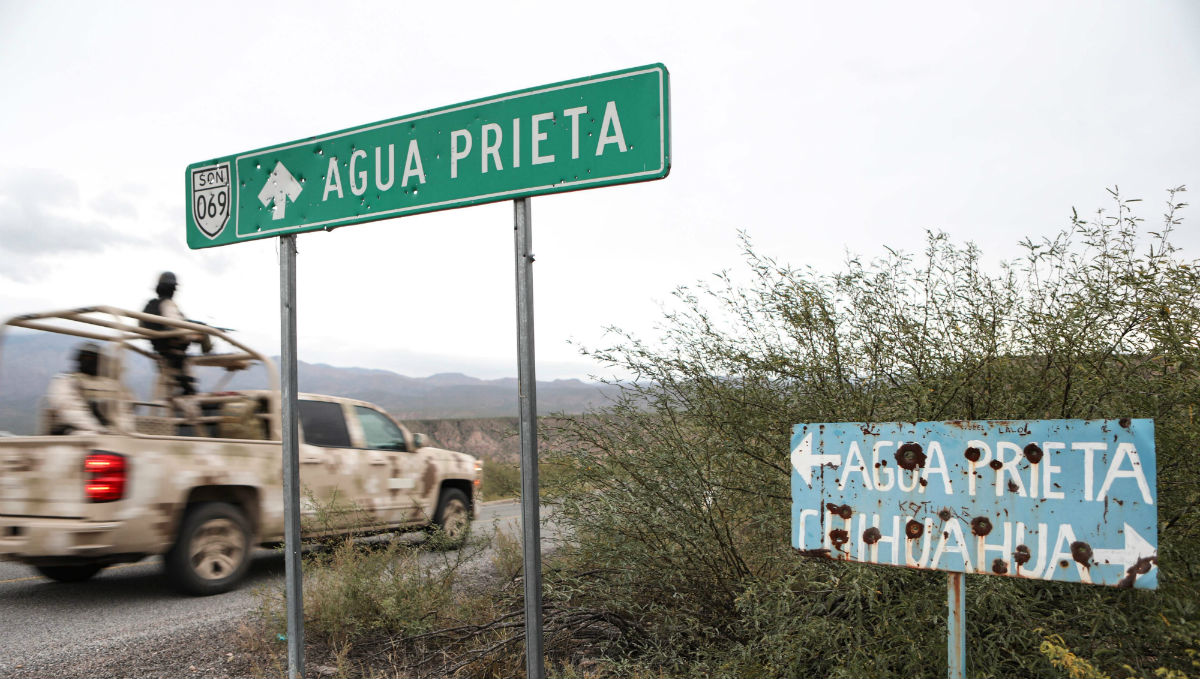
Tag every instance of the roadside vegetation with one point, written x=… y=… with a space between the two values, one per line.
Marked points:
x=501 y=480
x=677 y=501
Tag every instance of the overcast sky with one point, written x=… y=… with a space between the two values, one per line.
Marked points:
x=817 y=129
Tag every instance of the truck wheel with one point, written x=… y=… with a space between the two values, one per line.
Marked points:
x=453 y=517
x=212 y=552
x=74 y=573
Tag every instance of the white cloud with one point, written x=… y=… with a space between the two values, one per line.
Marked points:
x=110 y=205
x=816 y=127
x=42 y=217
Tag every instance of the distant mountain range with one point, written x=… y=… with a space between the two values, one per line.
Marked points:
x=28 y=362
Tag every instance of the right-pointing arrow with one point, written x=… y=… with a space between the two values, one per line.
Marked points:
x=803 y=460
x=1136 y=548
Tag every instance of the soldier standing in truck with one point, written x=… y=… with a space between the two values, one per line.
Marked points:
x=173 y=350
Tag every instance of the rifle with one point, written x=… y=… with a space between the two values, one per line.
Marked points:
x=210 y=325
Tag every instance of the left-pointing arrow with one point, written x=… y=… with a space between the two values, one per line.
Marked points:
x=803 y=460
x=280 y=186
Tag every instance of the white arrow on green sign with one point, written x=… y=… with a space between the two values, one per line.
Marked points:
x=597 y=131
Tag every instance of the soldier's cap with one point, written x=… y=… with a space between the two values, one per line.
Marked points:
x=167 y=278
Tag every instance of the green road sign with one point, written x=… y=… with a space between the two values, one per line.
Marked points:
x=579 y=134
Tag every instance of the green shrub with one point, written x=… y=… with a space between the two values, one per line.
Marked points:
x=357 y=592
x=370 y=604
x=391 y=608
x=679 y=493
x=501 y=480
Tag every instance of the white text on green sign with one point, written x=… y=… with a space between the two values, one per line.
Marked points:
x=597 y=131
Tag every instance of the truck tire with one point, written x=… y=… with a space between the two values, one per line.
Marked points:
x=72 y=573
x=212 y=552
x=452 y=519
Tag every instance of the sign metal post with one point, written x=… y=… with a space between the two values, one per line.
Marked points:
x=294 y=583
x=956 y=626
x=602 y=130
x=1062 y=500
x=530 y=505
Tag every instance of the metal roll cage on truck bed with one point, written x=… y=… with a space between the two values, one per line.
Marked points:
x=197 y=478
x=121 y=327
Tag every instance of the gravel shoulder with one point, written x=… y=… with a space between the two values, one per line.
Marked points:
x=101 y=628
x=199 y=648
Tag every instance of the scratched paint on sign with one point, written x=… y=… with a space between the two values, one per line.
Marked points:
x=1063 y=500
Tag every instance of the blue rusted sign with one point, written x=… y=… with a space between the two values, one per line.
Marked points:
x=1065 y=500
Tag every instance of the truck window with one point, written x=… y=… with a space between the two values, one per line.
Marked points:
x=324 y=424
x=380 y=432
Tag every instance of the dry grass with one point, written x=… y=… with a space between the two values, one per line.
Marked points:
x=394 y=609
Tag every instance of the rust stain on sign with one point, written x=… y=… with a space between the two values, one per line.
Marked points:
x=1011 y=498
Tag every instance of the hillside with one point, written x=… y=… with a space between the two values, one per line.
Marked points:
x=492 y=438
x=29 y=360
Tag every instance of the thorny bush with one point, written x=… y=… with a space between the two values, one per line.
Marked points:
x=678 y=493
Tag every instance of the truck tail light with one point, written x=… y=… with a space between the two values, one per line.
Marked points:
x=478 y=473
x=106 y=476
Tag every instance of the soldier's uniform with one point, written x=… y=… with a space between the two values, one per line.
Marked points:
x=173 y=350
x=87 y=400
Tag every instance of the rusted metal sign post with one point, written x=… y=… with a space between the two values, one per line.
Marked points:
x=1062 y=500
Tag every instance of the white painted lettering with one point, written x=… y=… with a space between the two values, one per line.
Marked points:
x=516 y=143
x=826 y=538
x=1050 y=449
x=849 y=467
x=862 y=544
x=491 y=149
x=538 y=137
x=412 y=164
x=333 y=179
x=893 y=540
x=1038 y=566
x=798 y=538
x=1089 y=448
x=985 y=456
x=880 y=469
x=573 y=114
x=359 y=187
x=457 y=154
x=379 y=184
x=952 y=542
x=611 y=120
x=1004 y=549
x=1062 y=557
x=1126 y=451
x=936 y=465
x=908 y=479
x=1035 y=471
x=1009 y=468
x=925 y=540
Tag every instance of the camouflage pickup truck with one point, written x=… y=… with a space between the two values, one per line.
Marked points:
x=197 y=478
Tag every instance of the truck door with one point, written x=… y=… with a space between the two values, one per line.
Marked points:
x=391 y=469
x=329 y=471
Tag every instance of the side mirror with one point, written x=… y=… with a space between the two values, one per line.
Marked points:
x=419 y=441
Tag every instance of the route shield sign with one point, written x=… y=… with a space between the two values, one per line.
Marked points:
x=1064 y=500
x=597 y=131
